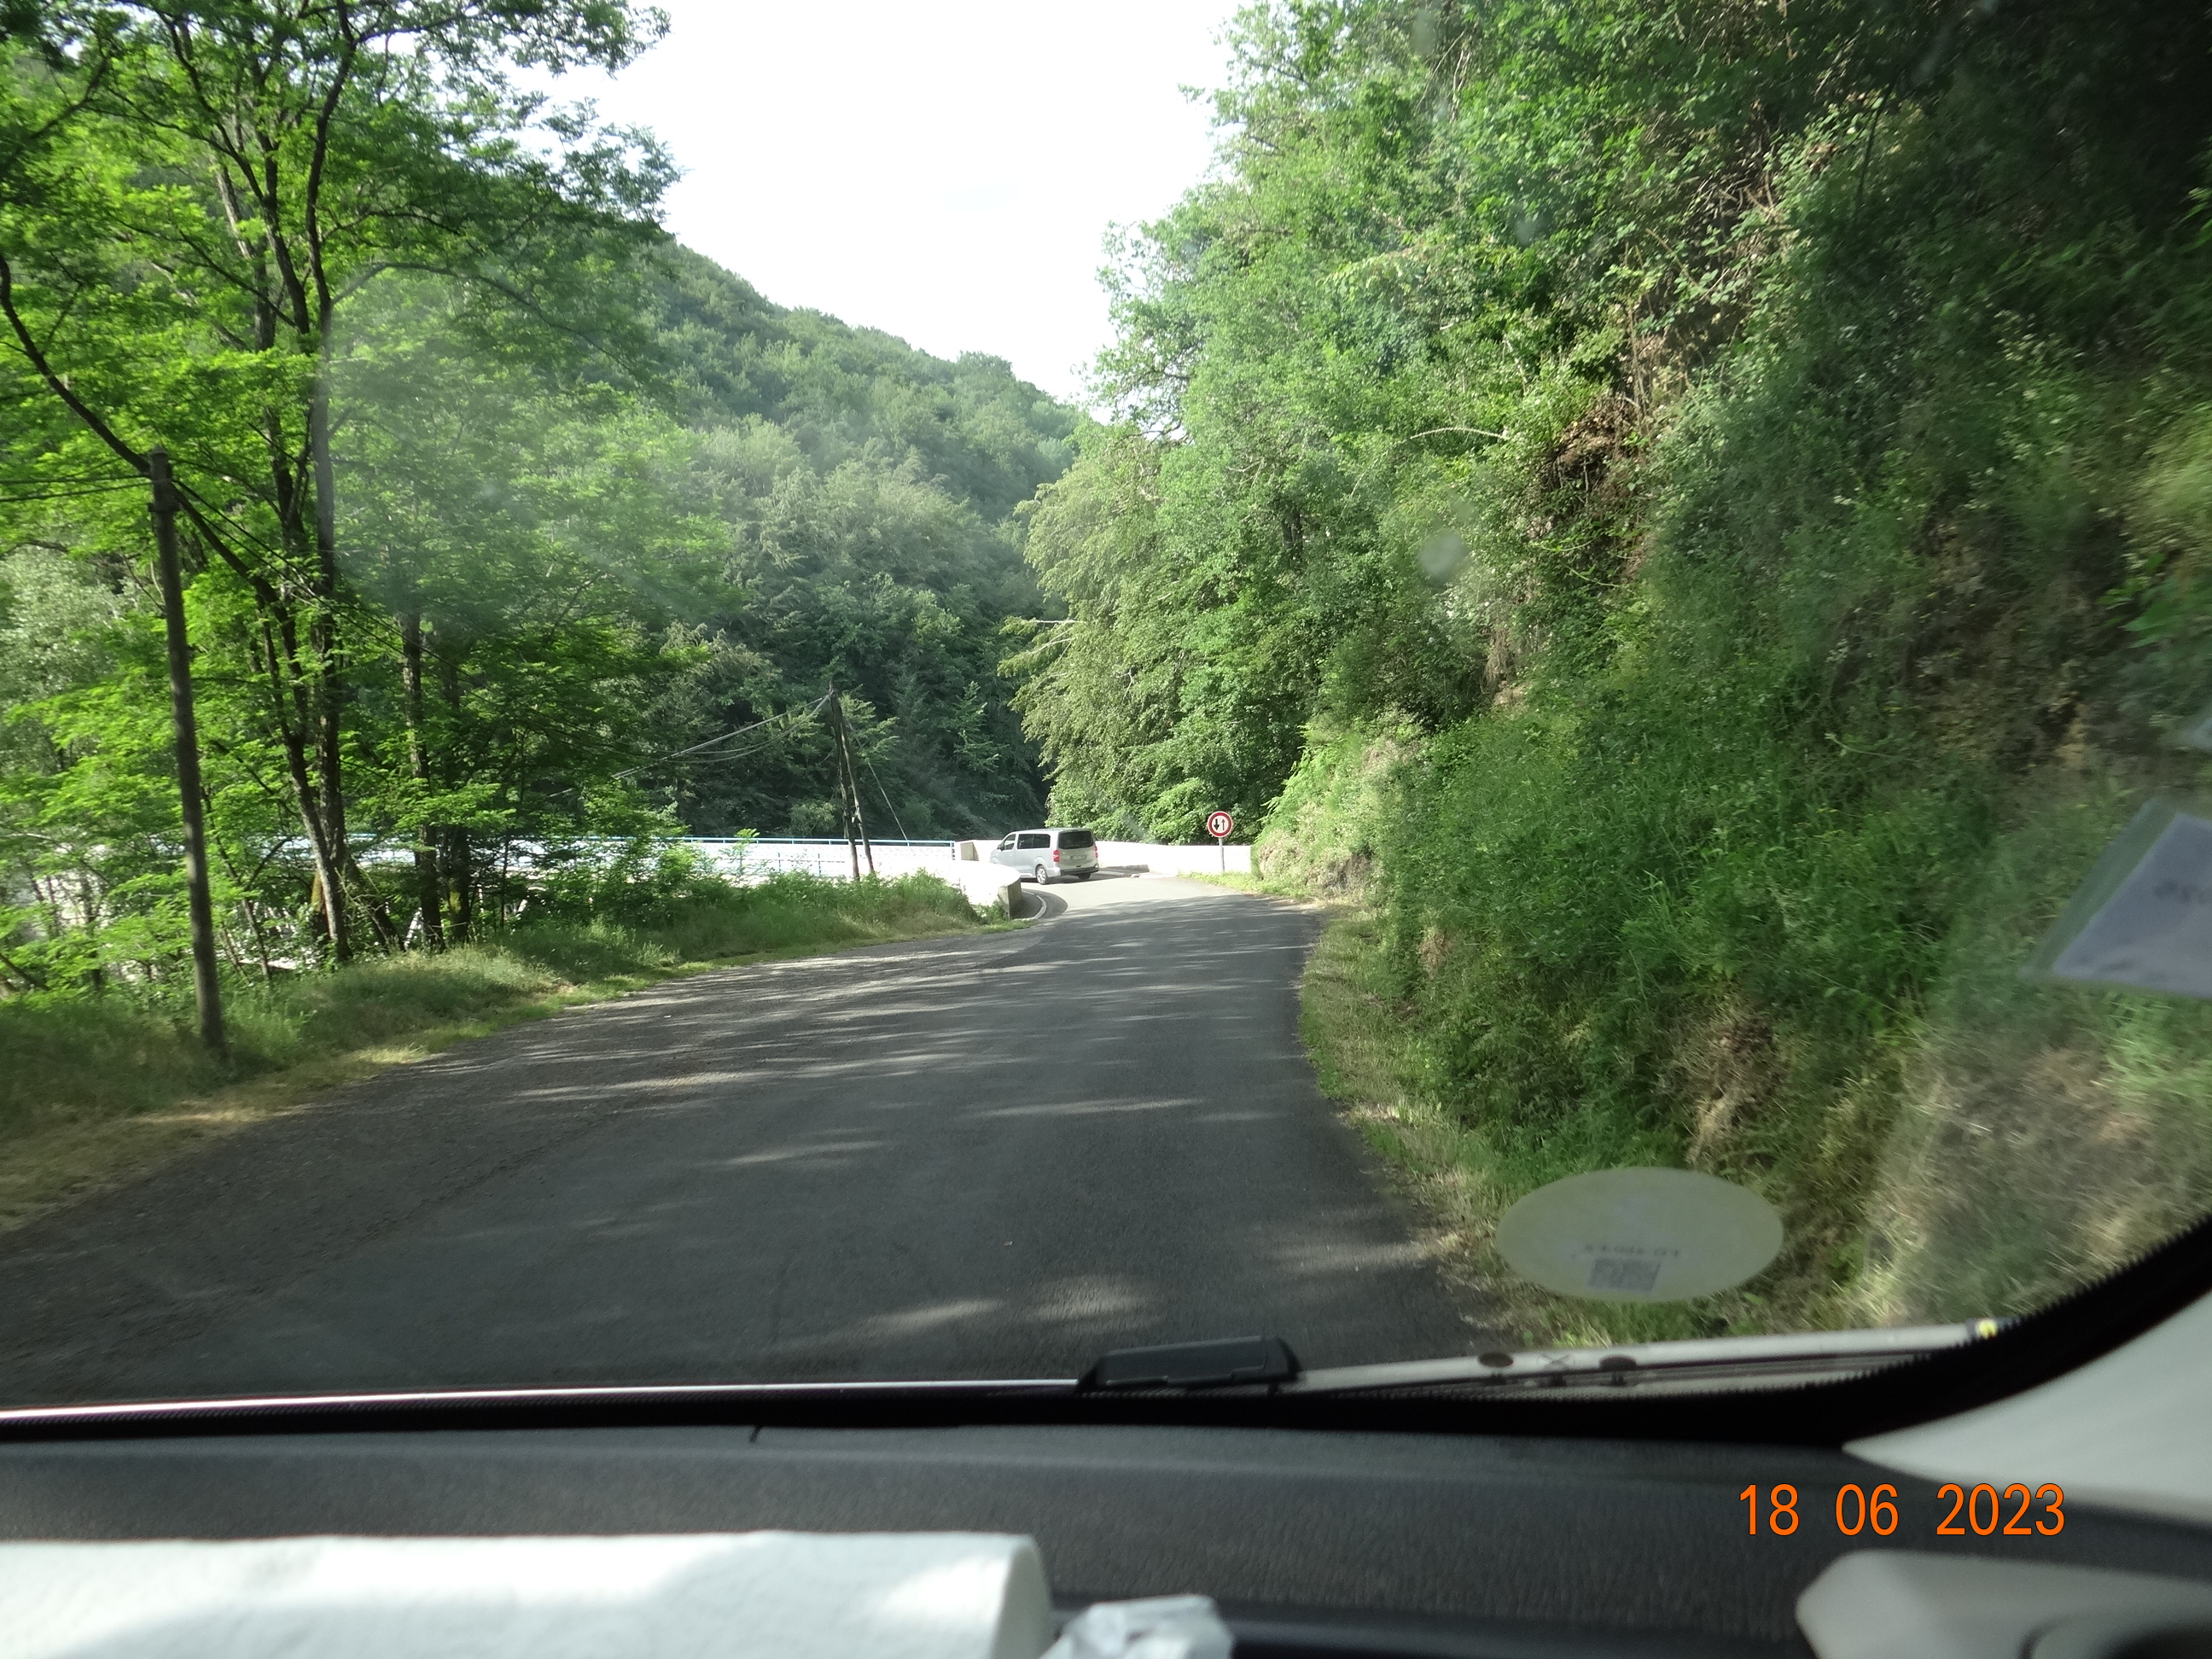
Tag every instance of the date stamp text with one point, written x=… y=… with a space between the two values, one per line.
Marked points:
x=1978 y=1510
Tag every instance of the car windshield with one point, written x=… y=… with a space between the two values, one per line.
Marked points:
x=1621 y=594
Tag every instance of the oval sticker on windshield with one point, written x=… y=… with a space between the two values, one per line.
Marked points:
x=1644 y=1235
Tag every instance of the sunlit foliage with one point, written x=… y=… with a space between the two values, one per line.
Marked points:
x=1699 y=511
x=492 y=495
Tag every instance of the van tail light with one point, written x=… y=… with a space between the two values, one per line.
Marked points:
x=1055 y=855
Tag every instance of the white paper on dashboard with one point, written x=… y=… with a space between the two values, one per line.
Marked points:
x=708 y=1595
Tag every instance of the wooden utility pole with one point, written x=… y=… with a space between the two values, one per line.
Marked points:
x=206 y=988
x=853 y=819
x=852 y=778
x=844 y=777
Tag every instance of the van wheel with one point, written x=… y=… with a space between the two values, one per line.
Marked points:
x=1042 y=879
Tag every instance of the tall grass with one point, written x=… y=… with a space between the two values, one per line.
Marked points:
x=1738 y=869
x=1830 y=1013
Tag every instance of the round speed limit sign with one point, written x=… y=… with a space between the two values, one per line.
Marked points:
x=1219 y=825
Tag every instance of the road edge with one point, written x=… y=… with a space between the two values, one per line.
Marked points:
x=80 y=1159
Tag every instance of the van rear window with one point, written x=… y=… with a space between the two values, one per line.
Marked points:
x=1075 y=838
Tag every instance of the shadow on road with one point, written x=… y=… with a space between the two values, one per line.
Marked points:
x=995 y=1155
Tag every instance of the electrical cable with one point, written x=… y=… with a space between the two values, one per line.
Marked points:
x=72 y=478
x=678 y=754
x=886 y=793
x=757 y=749
x=70 y=494
x=229 y=519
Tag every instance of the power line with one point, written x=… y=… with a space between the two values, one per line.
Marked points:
x=757 y=749
x=884 y=793
x=231 y=519
x=789 y=714
x=70 y=494
x=72 y=478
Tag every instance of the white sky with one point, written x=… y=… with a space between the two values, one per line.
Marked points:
x=943 y=172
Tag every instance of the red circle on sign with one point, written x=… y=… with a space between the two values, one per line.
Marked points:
x=1219 y=825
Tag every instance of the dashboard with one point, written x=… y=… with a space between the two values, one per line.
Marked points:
x=1314 y=1542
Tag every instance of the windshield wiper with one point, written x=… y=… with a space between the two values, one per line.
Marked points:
x=1267 y=1362
x=1227 y=1363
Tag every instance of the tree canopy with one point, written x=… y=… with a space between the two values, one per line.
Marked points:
x=492 y=495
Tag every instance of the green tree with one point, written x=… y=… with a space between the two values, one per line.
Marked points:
x=217 y=184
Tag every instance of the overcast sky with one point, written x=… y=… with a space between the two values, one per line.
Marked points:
x=945 y=172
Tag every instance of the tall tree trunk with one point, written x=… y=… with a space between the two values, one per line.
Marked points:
x=317 y=919
x=207 y=988
x=454 y=852
x=95 y=977
x=329 y=902
x=323 y=641
x=287 y=678
x=426 y=851
x=458 y=863
x=328 y=651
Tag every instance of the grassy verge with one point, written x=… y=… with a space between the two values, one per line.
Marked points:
x=2038 y=1137
x=1362 y=1038
x=95 y=1089
x=1358 y=1035
x=1268 y=886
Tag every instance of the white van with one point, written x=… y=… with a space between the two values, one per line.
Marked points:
x=1046 y=855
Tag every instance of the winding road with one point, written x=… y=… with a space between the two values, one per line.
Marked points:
x=987 y=1156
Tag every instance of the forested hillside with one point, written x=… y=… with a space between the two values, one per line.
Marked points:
x=1697 y=516
x=488 y=496
x=865 y=494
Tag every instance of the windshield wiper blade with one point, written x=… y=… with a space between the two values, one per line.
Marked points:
x=1225 y=1363
x=1697 y=1362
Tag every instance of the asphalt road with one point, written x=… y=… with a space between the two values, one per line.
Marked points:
x=994 y=1156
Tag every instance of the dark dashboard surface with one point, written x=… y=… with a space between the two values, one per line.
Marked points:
x=1316 y=1541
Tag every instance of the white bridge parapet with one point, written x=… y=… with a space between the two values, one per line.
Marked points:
x=1146 y=858
x=756 y=858
x=965 y=865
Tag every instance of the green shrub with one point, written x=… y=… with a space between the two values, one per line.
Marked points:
x=1828 y=628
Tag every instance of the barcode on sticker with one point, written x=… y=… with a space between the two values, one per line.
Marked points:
x=1623 y=1273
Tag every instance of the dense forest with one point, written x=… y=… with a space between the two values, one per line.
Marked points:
x=487 y=496
x=1697 y=515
